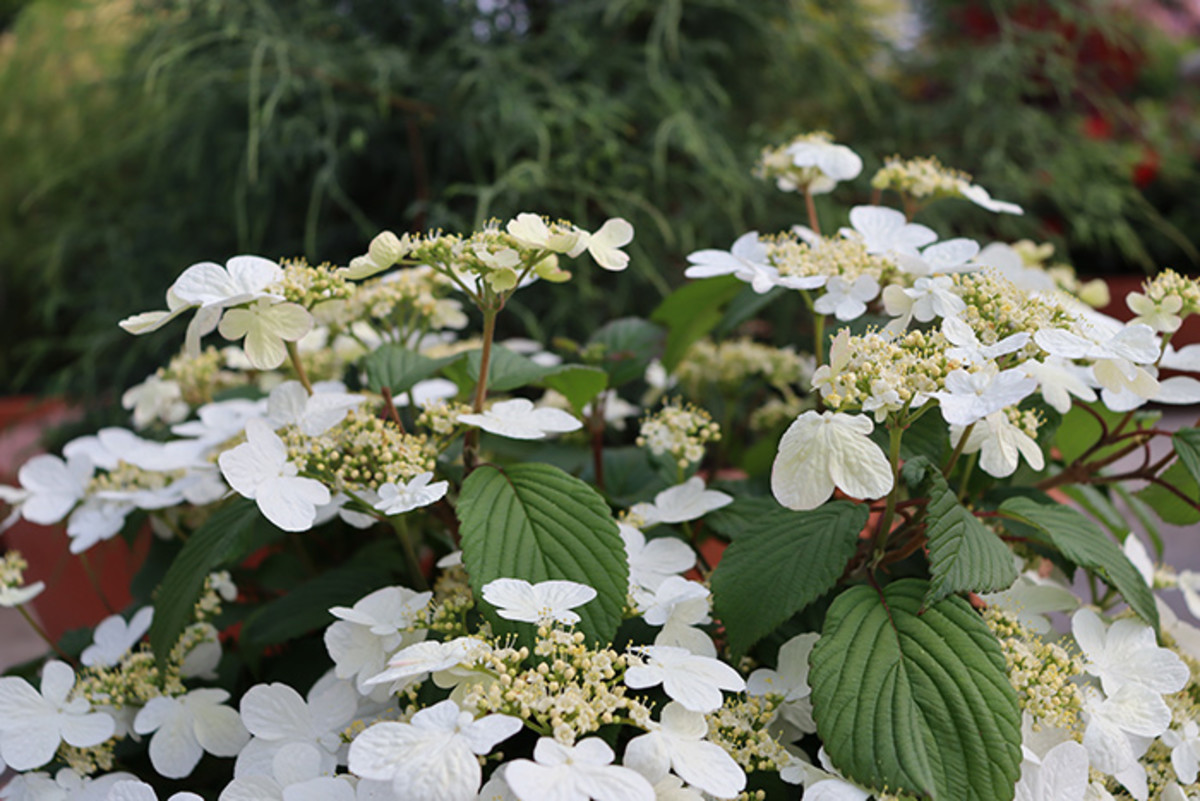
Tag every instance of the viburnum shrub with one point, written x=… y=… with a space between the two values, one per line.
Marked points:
x=398 y=558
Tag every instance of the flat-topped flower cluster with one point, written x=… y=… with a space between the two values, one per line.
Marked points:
x=491 y=587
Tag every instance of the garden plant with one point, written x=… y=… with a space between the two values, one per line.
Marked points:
x=397 y=557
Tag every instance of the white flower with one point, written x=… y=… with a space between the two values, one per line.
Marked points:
x=395 y=499
x=1116 y=355
x=133 y=790
x=259 y=469
x=951 y=256
x=209 y=288
x=846 y=300
x=1118 y=732
x=1059 y=379
x=1031 y=597
x=1162 y=316
x=885 y=231
x=155 y=399
x=606 y=243
x=651 y=562
x=518 y=419
x=1001 y=444
x=926 y=299
x=835 y=162
x=431 y=656
x=278 y=717
x=823 y=450
x=290 y=403
x=1060 y=775
x=187 y=726
x=52 y=487
x=33 y=724
x=969 y=350
x=575 y=773
x=532 y=231
x=789 y=681
x=221 y=421
x=969 y=397
x=694 y=681
x=678 y=743
x=282 y=775
x=266 y=326
x=1188 y=582
x=1126 y=652
x=1185 y=750
x=11 y=597
x=374 y=628
x=746 y=260
x=517 y=599
x=432 y=758
x=113 y=638
x=681 y=503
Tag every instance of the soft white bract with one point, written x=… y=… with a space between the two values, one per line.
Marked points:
x=33 y=724
x=694 y=681
x=517 y=599
x=519 y=419
x=824 y=450
x=575 y=773
x=259 y=469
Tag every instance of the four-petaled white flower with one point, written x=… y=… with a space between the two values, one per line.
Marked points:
x=445 y=660
x=1126 y=652
x=532 y=231
x=279 y=718
x=518 y=419
x=846 y=300
x=395 y=499
x=290 y=403
x=113 y=638
x=1117 y=356
x=605 y=244
x=1001 y=443
x=926 y=299
x=51 y=487
x=1059 y=379
x=692 y=680
x=1119 y=730
x=1060 y=775
x=133 y=790
x=969 y=397
x=652 y=561
x=746 y=260
x=33 y=724
x=156 y=398
x=681 y=503
x=575 y=773
x=823 y=450
x=517 y=599
x=433 y=757
x=1185 y=750
x=789 y=681
x=678 y=743
x=186 y=726
x=886 y=231
x=969 y=350
x=266 y=327
x=1162 y=316
x=835 y=163
x=259 y=469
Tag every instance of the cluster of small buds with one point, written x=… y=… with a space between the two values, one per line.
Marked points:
x=920 y=177
x=830 y=256
x=87 y=761
x=201 y=377
x=733 y=363
x=742 y=726
x=311 y=286
x=441 y=418
x=406 y=301
x=571 y=691
x=218 y=587
x=128 y=477
x=776 y=413
x=12 y=569
x=997 y=308
x=361 y=452
x=131 y=682
x=678 y=431
x=876 y=370
x=1165 y=301
x=1042 y=673
x=452 y=599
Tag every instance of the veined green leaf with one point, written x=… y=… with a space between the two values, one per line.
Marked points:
x=692 y=311
x=506 y=370
x=629 y=345
x=578 y=383
x=915 y=699
x=535 y=522
x=1085 y=544
x=227 y=537
x=1187 y=445
x=1169 y=507
x=781 y=563
x=398 y=368
x=964 y=554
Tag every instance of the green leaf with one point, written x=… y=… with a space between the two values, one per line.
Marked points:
x=964 y=554
x=506 y=370
x=227 y=537
x=781 y=563
x=306 y=607
x=629 y=477
x=398 y=368
x=578 y=383
x=1144 y=516
x=535 y=522
x=692 y=311
x=630 y=343
x=926 y=437
x=741 y=515
x=1187 y=445
x=915 y=699
x=1093 y=501
x=1169 y=507
x=1082 y=542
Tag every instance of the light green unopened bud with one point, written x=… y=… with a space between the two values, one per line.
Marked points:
x=363 y=267
x=548 y=269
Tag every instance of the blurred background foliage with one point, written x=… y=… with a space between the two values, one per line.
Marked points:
x=139 y=137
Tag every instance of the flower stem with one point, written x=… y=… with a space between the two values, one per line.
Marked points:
x=294 y=355
x=895 y=433
x=471 y=441
x=410 y=552
x=811 y=206
x=958 y=449
x=41 y=632
x=94 y=580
